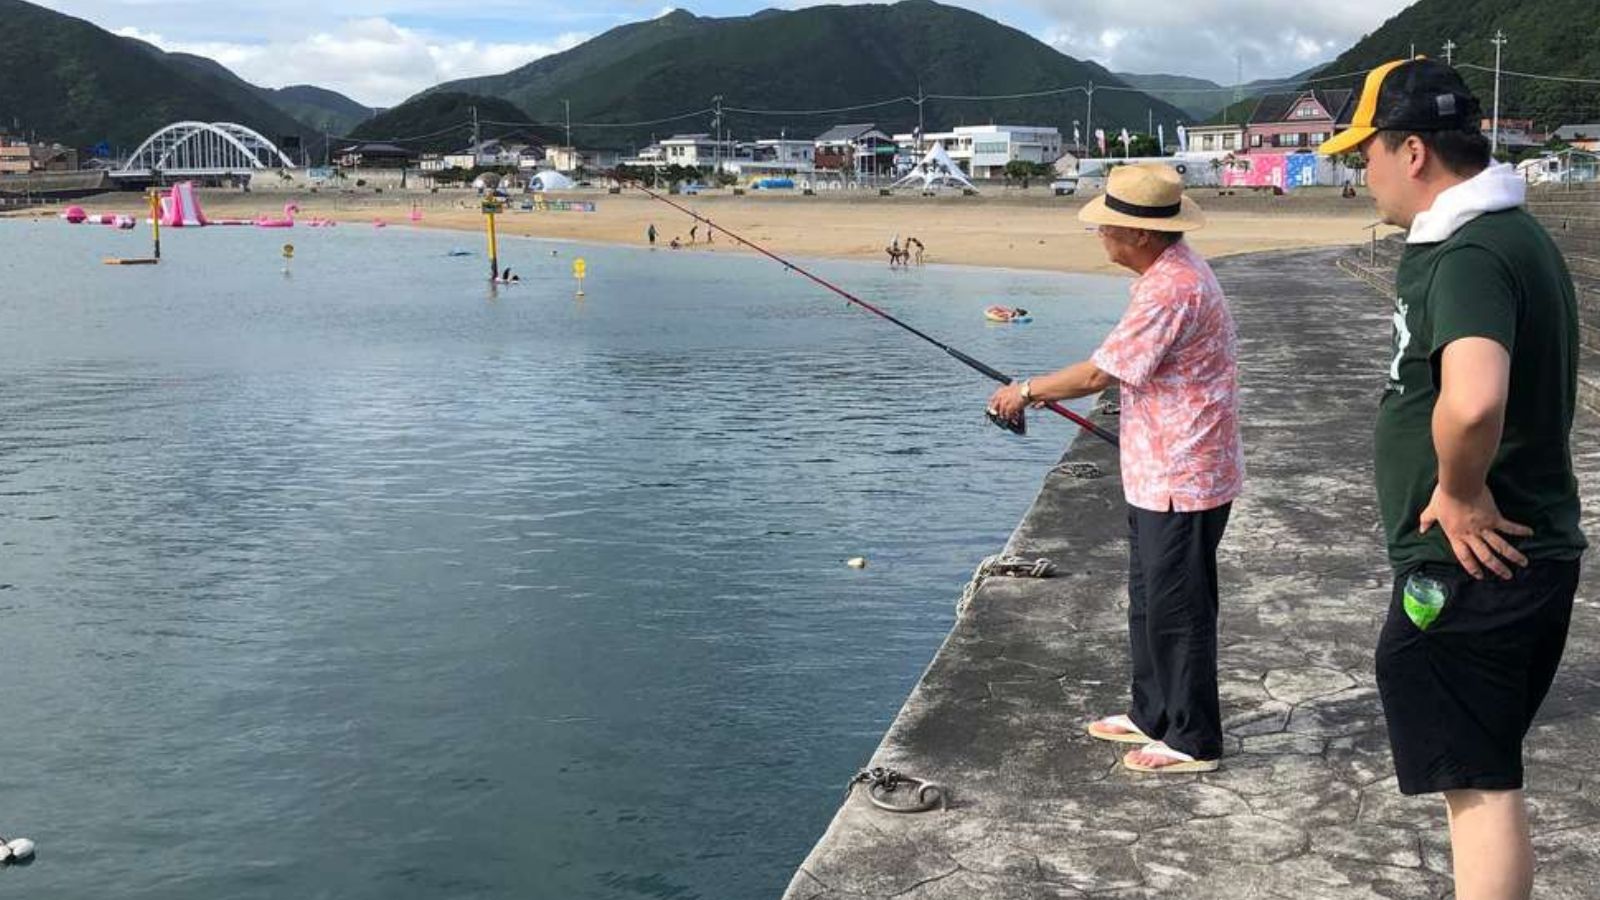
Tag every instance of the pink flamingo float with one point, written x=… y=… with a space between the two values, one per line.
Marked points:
x=289 y=210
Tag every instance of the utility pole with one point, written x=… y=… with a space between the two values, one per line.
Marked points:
x=716 y=125
x=474 y=137
x=1494 y=139
x=920 y=132
x=1088 y=128
x=1449 y=50
x=567 y=105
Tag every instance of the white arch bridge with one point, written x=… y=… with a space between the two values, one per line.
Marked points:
x=201 y=149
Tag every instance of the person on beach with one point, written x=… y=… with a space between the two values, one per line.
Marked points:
x=693 y=230
x=650 y=233
x=675 y=243
x=1473 y=466
x=1174 y=357
x=910 y=242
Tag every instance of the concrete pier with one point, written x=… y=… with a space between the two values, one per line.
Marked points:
x=1305 y=805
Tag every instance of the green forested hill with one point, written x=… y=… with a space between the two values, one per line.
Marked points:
x=439 y=122
x=64 y=79
x=67 y=80
x=1547 y=37
x=818 y=57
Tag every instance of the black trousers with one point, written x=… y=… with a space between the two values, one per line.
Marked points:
x=1172 y=626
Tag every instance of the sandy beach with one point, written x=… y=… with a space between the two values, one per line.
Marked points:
x=1011 y=229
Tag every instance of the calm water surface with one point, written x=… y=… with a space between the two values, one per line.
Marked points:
x=361 y=582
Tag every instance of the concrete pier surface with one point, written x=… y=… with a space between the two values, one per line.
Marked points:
x=1305 y=804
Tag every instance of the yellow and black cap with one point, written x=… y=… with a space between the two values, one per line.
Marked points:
x=1417 y=95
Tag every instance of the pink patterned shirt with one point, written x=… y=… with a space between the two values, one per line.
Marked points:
x=1176 y=354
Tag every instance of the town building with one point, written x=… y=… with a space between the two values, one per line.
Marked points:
x=856 y=149
x=572 y=159
x=983 y=151
x=1516 y=134
x=375 y=155
x=1297 y=120
x=20 y=157
x=1581 y=137
x=1215 y=138
x=697 y=150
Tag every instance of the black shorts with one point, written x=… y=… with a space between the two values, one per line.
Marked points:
x=1460 y=695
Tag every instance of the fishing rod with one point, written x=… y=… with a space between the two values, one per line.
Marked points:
x=1014 y=425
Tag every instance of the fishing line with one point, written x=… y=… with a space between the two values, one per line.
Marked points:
x=976 y=365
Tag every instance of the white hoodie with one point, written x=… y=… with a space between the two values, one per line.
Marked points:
x=1495 y=188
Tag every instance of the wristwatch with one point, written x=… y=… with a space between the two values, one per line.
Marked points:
x=1027 y=391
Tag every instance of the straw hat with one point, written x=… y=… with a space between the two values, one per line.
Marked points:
x=1148 y=195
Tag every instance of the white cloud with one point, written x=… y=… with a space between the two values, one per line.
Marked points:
x=1210 y=38
x=373 y=60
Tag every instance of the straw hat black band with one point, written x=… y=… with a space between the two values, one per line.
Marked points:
x=1142 y=212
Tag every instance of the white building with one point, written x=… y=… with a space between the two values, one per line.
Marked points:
x=571 y=159
x=984 y=150
x=486 y=154
x=784 y=152
x=1214 y=138
x=697 y=150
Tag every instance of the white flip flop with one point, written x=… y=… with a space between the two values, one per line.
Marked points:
x=1129 y=733
x=1182 y=762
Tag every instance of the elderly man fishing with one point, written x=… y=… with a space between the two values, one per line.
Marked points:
x=1174 y=356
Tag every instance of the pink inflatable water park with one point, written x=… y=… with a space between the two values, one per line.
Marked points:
x=75 y=215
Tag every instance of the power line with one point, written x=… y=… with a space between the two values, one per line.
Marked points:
x=1564 y=78
x=820 y=112
x=688 y=115
x=1052 y=92
x=403 y=140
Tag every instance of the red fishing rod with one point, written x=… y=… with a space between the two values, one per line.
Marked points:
x=977 y=365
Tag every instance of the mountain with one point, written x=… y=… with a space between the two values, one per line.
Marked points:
x=817 y=57
x=320 y=108
x=1546 y=37
x=317 y=109
x=441 y=122
x=1182 y=91
x=67 y=80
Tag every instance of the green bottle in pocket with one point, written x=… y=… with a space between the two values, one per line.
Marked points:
x=1423 y=598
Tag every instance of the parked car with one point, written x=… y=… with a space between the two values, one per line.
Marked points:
x=1063 y=187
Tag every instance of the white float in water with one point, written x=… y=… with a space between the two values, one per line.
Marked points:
x=856 y=562
x=20 y=848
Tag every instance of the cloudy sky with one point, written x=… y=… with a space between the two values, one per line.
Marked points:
x=382 y=51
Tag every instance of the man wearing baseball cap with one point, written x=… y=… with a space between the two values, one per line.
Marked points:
x=1174 y=356
x=1474 y=468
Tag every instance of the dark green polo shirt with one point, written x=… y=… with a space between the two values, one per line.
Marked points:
x=1500 y=277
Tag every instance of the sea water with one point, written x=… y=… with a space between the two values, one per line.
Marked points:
x=348 y=576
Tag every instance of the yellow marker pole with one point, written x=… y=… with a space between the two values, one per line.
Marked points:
x=489 y=209
x=155 y=219
x=579 y=270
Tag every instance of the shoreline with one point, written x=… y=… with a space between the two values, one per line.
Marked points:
x=1025 y=231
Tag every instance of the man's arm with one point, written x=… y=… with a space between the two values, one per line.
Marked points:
x=1077 y=380
x=1474 y=382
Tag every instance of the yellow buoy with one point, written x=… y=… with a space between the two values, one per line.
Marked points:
x=288 y=251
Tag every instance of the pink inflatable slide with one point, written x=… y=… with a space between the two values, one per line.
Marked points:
x=180 y=209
